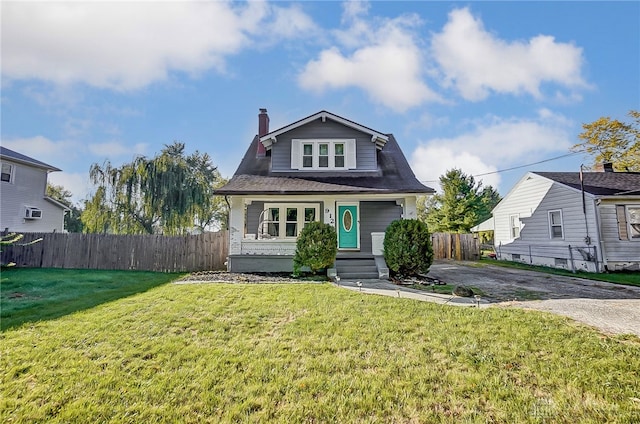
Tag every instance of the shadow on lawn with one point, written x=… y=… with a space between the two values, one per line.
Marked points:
x=36 y=294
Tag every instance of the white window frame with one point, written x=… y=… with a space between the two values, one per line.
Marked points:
x=634 y=234
x=514 y=219
x=297 y=154
x=11 y=171
x=551 y=225
x=282 y=222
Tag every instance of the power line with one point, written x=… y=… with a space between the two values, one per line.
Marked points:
x=515 y=167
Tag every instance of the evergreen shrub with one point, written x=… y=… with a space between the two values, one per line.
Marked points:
x=316 y=247
x=407 y=247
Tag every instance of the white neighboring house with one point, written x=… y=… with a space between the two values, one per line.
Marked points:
x=543 y=220
x=24 y=204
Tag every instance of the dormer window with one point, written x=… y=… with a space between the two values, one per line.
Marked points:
x=323 y=154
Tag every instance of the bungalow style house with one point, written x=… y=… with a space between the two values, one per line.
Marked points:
x=558 y=219
x=321 y=168
x=24 y=206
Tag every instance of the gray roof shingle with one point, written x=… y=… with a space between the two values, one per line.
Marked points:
x=19 y=157
x=394 y=175
x=598 y=183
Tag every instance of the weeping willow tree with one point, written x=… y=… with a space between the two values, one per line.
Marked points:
x=171 y=193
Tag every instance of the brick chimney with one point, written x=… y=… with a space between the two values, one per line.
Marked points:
x=263 y=128
x=604 y=167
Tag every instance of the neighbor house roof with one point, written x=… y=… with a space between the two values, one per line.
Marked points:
x=19 y=157
x=394 y=175
x=598 y=183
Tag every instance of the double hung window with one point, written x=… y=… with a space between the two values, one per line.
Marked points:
x=287 y=220
x=514 y=225
x=323 y=154
x=555 y=225
x=7 y=173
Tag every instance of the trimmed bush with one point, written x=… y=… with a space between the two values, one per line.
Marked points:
x=407 y=247
x=316 y=247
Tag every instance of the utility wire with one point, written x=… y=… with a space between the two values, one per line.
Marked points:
x=515 y=167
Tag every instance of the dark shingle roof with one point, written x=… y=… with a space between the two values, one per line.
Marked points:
x=394 y=175
x=19 y=157
x=598 y=183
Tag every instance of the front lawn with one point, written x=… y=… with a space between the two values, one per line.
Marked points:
x=35 y=294
x=312 y=353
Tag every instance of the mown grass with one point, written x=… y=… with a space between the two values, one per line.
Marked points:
x=630 y=278
x=312 y=353
x=30 y=294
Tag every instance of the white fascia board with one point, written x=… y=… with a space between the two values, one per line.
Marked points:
x=55 y=202
x=379 y=139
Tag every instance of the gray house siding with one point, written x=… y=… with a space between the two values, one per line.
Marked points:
x=253 y=217
x=365 y=149
x=375 y=217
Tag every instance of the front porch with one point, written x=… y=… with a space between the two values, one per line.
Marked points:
x=263 y=230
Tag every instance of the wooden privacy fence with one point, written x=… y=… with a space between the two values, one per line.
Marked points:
x=201 y=252
x=461 y=247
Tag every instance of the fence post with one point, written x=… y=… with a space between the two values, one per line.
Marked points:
x=573 y=267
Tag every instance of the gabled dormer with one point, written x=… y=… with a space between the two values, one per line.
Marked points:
x=321 y=143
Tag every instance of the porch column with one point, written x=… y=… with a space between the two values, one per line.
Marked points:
x=236 y=225
x=409 y=209
x=329 y=211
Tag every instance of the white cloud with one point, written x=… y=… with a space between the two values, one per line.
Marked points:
x=128 y=45
x=66 y=154
x=476 y=62
x=384 y=60
x=493 y=143
x=77 y=183
x=114 y=149
x=431 y=161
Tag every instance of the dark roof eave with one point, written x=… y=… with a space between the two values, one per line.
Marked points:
x=329 y=193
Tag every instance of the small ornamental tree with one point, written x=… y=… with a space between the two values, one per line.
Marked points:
x=316 y=247
x=407 y=247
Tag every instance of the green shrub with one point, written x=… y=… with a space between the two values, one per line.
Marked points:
x=407 y=247
x=316 y=247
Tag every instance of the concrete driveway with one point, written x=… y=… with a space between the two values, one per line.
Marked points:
x=613 y=308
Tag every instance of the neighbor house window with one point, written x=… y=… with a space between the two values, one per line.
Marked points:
x=324 y=155
x=633 y=213
x=555 y=225
x=7 y=173
x=287 y=220
x=514 y=225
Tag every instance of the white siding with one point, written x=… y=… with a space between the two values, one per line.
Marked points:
x=616 y=250
x=28 y=189
x=532 y=198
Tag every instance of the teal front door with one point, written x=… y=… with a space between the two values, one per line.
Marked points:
x=348 y=227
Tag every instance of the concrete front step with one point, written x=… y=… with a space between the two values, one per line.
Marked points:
x=360 y=268
x=358 y=275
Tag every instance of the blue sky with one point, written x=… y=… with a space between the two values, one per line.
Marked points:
x=481 y=86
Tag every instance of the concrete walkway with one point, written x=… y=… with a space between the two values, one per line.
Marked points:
x=385 y=288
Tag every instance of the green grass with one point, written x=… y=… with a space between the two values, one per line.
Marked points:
x=28 y=295
x=312 y=353
x=629 y=278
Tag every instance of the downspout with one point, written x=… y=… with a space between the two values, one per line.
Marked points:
x=587 y=239
x=603 y=255
x=226 y=200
